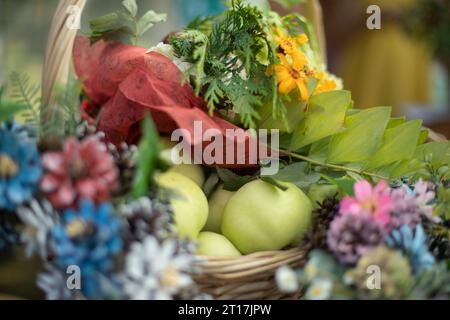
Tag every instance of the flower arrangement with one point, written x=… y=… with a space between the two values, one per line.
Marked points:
x=382 y=229
x=91 y=191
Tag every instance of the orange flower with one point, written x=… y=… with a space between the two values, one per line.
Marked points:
x=293 y=75
x=325 y=84
x=288 y=44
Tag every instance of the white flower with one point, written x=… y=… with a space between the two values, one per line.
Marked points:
x=39 y=220
x=286 y=280
x=156 y=271
x=320 y=289
x=164 y=49
x=167 y=51
x=54 y=283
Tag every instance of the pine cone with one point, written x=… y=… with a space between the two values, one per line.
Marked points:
x=405 y=211
x=395 y=274
x=84 y=129
x=317 y=236
x=439 y=239
x=350 y=237
x=125 y=159
x=147 y=217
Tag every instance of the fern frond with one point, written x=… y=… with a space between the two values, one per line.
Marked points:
x=28 y=95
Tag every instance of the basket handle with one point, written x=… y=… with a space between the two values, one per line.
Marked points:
x=59 y=52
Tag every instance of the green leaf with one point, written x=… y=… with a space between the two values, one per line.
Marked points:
x=344 y=184
x=2 y=91
x=438 y=150
x=362 y=137
x=232 y=181
x=398 y=143
x=423 y=136
x=294 y=113
x=28 y=95
x=298 y=174
x=324 y=117
x=393 y=122
x=9 y=109
x=123 y=25
x=274 y=182
x=147 y=158
x=148 y=20
x=131 y=7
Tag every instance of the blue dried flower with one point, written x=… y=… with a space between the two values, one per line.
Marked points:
x=20 y=167
x=89 y=239
x=414 y=245
x=8 y=233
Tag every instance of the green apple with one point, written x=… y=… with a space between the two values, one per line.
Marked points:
x=191 y=171
x=188 y=201
x=217 y=203
x=260 y=216
x=213 y=244
x=317 y=193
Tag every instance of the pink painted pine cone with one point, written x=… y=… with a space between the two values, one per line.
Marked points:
x=83 y=170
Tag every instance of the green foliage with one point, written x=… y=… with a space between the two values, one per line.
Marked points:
x=25 y=101
x=430 y=20
x=194 y=43
x=228 y=61
x=361 y=137
x=8 y=108
x=66 y=114
x=398 y=143
x=231 y=180
x=29 y=97
x=298 y=173
x=124 y=25
x=431 y=161
x=324 y=117
x=362 y=143
x=432 y=284
x=147 y=159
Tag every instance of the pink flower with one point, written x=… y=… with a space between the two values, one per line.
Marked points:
x=83 y=170
x=375 y=202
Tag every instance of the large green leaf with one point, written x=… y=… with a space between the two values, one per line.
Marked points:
x=298 y=174
x=362 y=137
x=147 y=159
x=148 y=20
x=131 y=7
x=393 y=122
x=398 y=143
x=439 y=151
x=324 y=117
x=294 y=113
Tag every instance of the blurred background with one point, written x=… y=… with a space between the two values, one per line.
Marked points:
x=404 y=65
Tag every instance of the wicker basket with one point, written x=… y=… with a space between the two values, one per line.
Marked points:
x=245 y=277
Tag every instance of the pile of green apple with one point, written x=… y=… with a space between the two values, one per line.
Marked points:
x=258 y=217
